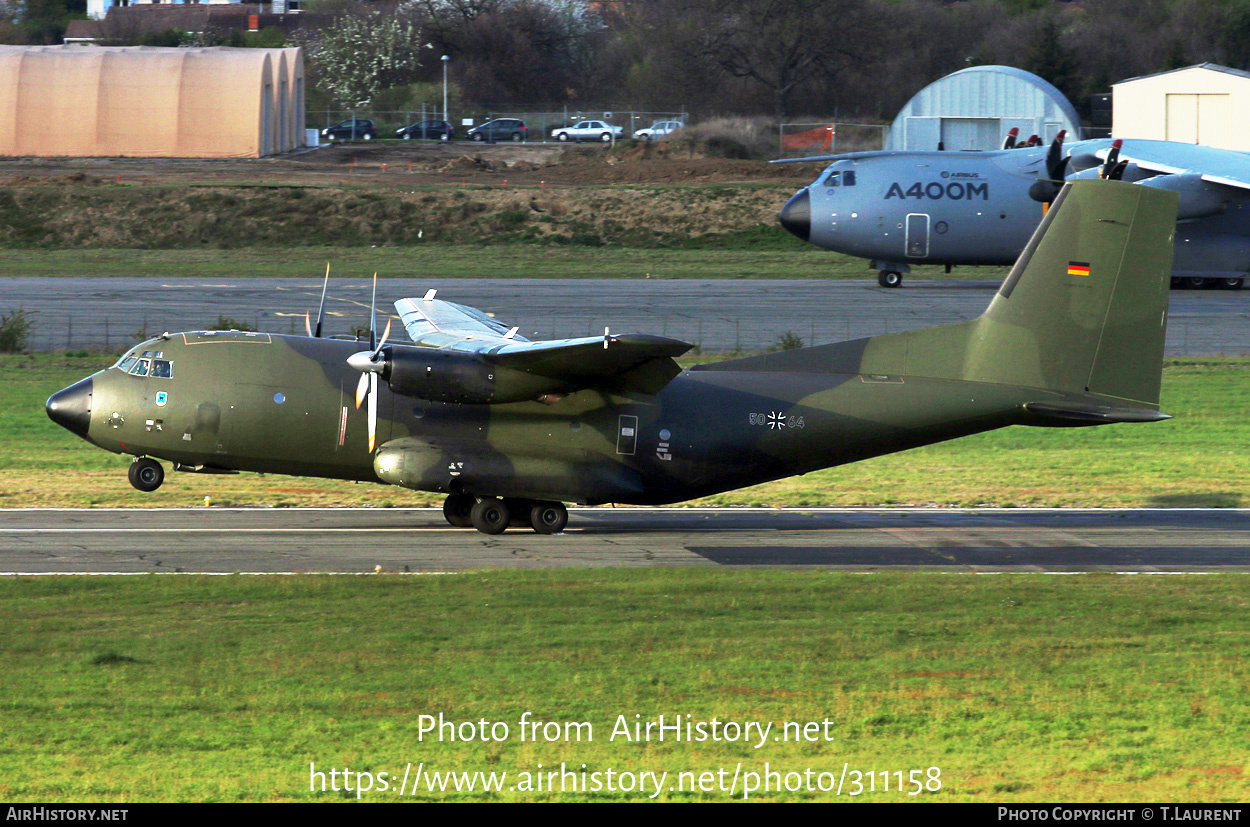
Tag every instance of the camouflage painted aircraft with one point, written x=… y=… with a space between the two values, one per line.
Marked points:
x=510 y=429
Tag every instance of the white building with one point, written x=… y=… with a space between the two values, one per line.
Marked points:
x=97 y=9
x=1205 y=104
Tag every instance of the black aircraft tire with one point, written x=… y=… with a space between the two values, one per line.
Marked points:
x=1198 y=282
x=1178 y=283
x=1231 y=284
x=890 y=278
x=549 y=518
x=490 y=516
x=458 y=508
x=146 y=474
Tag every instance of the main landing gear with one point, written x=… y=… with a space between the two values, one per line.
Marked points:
x=146 y=474
x=491 y=515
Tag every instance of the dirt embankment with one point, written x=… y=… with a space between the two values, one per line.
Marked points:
x=379 y=194
x=168 y=216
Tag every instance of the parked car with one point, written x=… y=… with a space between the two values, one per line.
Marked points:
x=500 y=129
x=658 y=130
x=435 y=130
x=352 y=129
x=587 y=131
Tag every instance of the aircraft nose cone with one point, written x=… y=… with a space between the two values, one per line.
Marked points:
x=796 y=215
x=71 y=408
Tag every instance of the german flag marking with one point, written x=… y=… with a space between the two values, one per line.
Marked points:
x=1078 y=268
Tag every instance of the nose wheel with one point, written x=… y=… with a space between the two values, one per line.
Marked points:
x=889 y=278
x=146 y=474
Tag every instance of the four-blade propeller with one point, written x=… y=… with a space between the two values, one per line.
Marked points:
x=369 y=363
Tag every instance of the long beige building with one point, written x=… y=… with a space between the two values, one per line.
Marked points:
x=150 y=102
x=1205 y=104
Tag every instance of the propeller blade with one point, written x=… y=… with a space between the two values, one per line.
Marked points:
x=1012 y=135
x=321 y=310
x=606 y=335
x=373 y=315
x=386 y=334
x=1113 y=158
x=362 y=387
x=1118 y=172
x=373 y=409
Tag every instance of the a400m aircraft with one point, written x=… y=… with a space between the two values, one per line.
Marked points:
x=510 y=430
x=902 y=208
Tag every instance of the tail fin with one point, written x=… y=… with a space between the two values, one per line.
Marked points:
x=1084 y=311
x=1085 y=308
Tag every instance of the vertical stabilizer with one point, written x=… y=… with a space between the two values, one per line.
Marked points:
x=1084 y=310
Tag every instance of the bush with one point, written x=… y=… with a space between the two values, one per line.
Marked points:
x=227 y=323
x=15 y=330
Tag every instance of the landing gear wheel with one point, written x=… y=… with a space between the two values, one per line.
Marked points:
x=549 y=518
x=889 y=278
x=490 y=516
x=146 y=474
x=1231 y=284
x=1197 y=282
x=458 y=508
x=1177 y=283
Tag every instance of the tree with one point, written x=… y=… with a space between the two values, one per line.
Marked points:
x=361 y=53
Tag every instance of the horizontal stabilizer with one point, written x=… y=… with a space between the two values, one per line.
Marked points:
x=1076 y=412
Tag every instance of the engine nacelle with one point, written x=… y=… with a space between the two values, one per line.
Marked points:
x=1199 y=198
x=465 y=378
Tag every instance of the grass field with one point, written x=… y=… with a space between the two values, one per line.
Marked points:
x=1196 y=459
x=1018 y=687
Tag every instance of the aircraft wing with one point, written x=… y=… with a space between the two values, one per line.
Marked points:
x=630 y=361
x=1218 y=166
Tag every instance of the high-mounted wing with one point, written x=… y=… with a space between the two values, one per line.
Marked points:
x=465 y=356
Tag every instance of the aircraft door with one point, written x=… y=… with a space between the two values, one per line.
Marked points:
x=917 y=235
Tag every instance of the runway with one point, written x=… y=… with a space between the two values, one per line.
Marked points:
x=223 y=541
x=718 y=314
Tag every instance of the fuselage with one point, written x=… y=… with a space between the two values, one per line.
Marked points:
x=285 y=405
x=899 y=209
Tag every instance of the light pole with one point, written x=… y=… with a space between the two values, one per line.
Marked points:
x=446 y=58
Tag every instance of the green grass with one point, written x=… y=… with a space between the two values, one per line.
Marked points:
x=1196 y=459
x=461 y=261
x=1018 y=687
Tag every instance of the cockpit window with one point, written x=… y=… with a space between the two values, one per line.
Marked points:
x=840 y=177
x=140 y=368
x=833 y=179
x=848 y=178
x=125 y=363
x=162 y=368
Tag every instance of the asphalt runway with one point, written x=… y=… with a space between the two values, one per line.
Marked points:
x=223 y=541
x=718 y=314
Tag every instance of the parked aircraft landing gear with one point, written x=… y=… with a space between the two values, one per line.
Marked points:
x=1231 y=284
x=889 y=278
x=146 y=474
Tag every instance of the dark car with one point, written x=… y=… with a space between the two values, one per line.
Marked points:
x=434 y=130
x=500 y=129
x=352 y=129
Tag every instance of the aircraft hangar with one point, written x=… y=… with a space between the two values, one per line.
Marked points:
x=150 y=102
x=974 y=108
x=1205 y=104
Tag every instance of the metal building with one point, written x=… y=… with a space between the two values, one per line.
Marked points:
x=973 y=109
x=1205 y=104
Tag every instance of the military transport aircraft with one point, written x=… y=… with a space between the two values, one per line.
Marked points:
x=511 y=429
x=900 y=208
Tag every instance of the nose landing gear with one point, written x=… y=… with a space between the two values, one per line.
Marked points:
x=146 y=474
